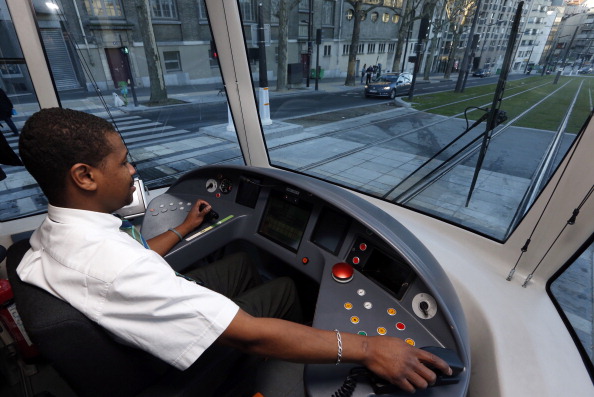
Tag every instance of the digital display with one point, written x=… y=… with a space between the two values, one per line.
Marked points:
x=393 y=275
x=285 y=219
x=330 y=230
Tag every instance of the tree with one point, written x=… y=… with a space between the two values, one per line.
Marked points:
x=284 y=7
x=409 y=15
x=155 y=70
x=458 y=13
x=359 y=12
x=438 y=26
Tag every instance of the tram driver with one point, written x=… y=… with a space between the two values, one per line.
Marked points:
x=80 y=254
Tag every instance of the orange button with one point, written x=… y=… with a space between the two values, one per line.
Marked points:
x=410 y=341
x=348 y=305
x=382 y=331
x=392 y=311
x=355 y=320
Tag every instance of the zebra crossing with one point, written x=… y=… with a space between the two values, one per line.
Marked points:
x=19 y=192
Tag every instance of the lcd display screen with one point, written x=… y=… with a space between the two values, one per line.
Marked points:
x=330 y=230
x=285 y=219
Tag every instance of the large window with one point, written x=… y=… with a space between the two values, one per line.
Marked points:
x=93 y=67
x=104 y=8
x=163 y=9
x=572 y=292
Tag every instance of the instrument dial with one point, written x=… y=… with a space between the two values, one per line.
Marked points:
x=211 y=185
x=226 y=186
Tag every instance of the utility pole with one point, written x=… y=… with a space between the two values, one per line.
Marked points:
x=263 y=97
x=309 y=43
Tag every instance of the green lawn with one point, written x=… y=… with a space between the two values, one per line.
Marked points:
x=520 y=96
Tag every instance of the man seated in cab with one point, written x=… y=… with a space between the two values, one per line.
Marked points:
x=80 y=255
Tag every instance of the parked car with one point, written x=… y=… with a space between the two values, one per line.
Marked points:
x=390 y=85
x=481 y=73
x=585 y=70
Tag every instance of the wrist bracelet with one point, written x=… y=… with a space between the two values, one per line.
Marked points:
x=339 y=340
x=176 y=233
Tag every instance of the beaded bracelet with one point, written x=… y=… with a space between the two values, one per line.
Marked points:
x=176 y=233
x=339 y=340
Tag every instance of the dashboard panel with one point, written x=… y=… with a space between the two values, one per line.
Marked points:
x=393 y=285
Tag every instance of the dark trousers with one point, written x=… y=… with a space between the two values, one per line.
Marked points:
x=236 y=277
x=11 y=125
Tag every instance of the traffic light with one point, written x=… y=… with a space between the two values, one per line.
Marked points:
x=213 y=50
x=125 y=50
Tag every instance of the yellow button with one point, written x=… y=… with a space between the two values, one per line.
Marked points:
x=382 y=331
x=355 y=320
x=348 y=305
x=392 y=311
x=410 y=341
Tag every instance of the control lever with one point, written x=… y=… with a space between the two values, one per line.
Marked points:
x=381 y=386
x=212 y=215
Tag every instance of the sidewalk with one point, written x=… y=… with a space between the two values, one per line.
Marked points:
x=199 y=93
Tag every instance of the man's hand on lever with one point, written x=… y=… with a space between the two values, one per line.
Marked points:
x=390 y=358
x=162 y=243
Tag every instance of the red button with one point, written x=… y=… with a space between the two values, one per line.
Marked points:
x=356 y=260
x=400 y=326
x=305 y=260
x=362 y=246
x=342 y=272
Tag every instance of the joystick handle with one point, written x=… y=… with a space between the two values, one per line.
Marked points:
x=212 y=215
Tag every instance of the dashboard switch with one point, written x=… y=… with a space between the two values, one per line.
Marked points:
x=342 y=272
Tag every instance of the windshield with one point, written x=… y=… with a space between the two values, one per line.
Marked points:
x=474 y=151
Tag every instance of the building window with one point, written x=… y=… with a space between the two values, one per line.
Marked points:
x=202 y=11
x=163 y=9
x=345 y=49
x=391 y=47
x=247 y=10
x=172 y=61
x=360 y=48
x=104 y=8
x=328 y=13
x=381 y=48
x=274 y=6
x=371 y=48
x=395 y=18
x=385 y=17
x=374 y=16
x=327 y=50
x=349 y=14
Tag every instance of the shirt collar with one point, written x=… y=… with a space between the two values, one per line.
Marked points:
x=76 y=216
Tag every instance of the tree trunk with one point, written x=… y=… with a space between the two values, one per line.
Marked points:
x=352 y=73
x=155 y=71
x=283 y=40
x=453 y=51
x=405 y=24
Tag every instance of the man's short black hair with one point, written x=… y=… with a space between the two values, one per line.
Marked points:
x=53 y=140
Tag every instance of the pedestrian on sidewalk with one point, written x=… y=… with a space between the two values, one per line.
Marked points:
x=363 y=69
x=6 y=109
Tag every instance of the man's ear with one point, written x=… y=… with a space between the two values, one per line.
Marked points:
x=82 y=176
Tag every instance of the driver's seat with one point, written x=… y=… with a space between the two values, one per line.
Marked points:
x=94 y=364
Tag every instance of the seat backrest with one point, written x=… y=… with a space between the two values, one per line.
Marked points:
x=84 y=354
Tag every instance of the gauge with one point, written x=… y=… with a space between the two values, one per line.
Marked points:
x=226 y=186
x=424 y=306
x=211 y=185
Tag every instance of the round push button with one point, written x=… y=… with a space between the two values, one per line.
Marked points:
x=342 y=272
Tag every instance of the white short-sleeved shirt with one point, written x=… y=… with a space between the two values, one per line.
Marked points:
x=83 y=258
